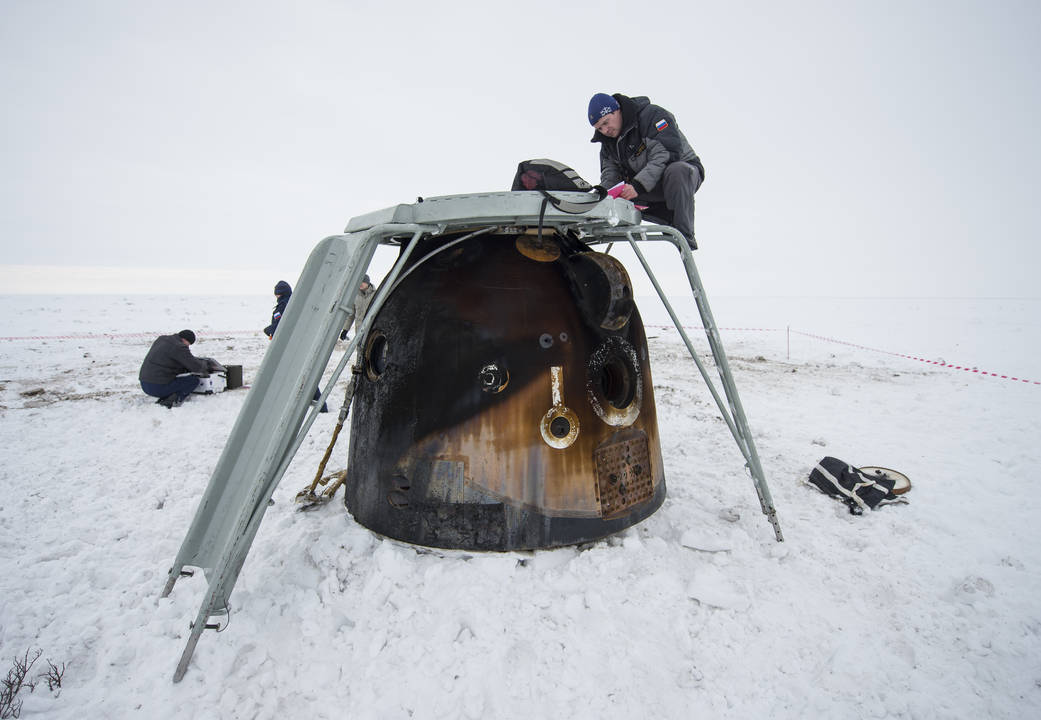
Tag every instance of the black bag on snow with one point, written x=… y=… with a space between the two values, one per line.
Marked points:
x=543 y=174
x=855 y=488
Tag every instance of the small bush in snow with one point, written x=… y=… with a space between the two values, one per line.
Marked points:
x=19 y=677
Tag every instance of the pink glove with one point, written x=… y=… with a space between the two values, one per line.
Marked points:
x=616 y=190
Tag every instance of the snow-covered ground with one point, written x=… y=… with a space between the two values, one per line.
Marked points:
x=924 y=610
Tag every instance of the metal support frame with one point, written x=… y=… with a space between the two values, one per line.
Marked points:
x=734 y=413
x=272 y=423
x=274 y=419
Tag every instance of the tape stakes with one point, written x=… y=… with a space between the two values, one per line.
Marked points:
x=938 y=363
x=702 y=327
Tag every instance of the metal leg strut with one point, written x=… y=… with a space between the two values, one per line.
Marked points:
x=734 y=413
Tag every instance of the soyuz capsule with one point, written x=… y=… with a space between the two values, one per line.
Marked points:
x=504 y=399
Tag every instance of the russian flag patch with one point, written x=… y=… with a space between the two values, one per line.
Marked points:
x=661 y=125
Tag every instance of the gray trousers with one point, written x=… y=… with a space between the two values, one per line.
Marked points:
x=672 y=199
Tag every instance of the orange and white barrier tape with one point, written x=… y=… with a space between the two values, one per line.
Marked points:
x=938 y=363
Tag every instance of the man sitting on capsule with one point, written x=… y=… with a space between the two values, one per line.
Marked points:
x=643 y=150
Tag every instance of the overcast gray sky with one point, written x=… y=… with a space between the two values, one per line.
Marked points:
x=851 y=148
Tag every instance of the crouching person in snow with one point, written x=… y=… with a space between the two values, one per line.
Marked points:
x=641 y=146
x=161 y=373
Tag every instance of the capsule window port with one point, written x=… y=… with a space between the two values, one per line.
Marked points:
x=559 y=427
x=376 y=355
x=614 y=382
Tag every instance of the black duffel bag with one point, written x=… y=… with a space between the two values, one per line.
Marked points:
x=858 y=489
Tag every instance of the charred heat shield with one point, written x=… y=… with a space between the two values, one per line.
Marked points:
x=505 y=399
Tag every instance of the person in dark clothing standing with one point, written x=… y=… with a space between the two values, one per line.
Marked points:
x=641 y=146
x=161 y=372
x=282 y=294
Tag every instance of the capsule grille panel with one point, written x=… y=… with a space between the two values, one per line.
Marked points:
x=623 y=475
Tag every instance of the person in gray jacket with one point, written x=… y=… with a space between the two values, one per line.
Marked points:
x=161 y=373
x=641 y=146
x=361 y=305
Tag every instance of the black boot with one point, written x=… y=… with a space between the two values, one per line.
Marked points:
x=170 y=401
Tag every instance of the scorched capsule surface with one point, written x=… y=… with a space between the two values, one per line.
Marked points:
x=505 y=399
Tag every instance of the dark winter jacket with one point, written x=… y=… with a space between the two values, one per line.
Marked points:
x=167 y=358
x=276 y=314
x=650 y=140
